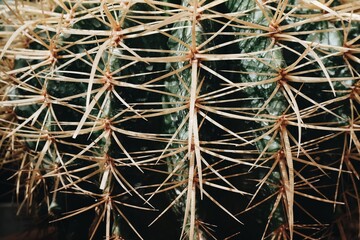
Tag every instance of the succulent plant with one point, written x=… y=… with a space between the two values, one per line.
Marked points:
x=184 y=119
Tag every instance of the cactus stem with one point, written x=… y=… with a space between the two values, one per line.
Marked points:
x=249 y=107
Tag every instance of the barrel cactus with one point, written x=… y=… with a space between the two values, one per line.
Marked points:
x=183 y=119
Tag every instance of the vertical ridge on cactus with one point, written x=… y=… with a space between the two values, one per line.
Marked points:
x=183 y=119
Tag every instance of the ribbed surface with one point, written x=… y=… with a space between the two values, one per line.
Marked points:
x=203 y=119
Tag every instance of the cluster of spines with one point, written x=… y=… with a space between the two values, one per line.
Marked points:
x=237 y=98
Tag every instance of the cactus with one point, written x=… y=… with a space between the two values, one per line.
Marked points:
x=179 y=119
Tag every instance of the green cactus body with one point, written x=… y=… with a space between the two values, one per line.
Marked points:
x=183 y=119
x=188 y=84
x=263 y=71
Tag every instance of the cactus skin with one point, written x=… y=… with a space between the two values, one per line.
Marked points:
x=184 y=119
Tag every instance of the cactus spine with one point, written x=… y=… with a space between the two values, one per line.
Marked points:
x=217 y=118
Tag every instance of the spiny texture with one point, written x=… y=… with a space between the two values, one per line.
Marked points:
x=221 y=119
